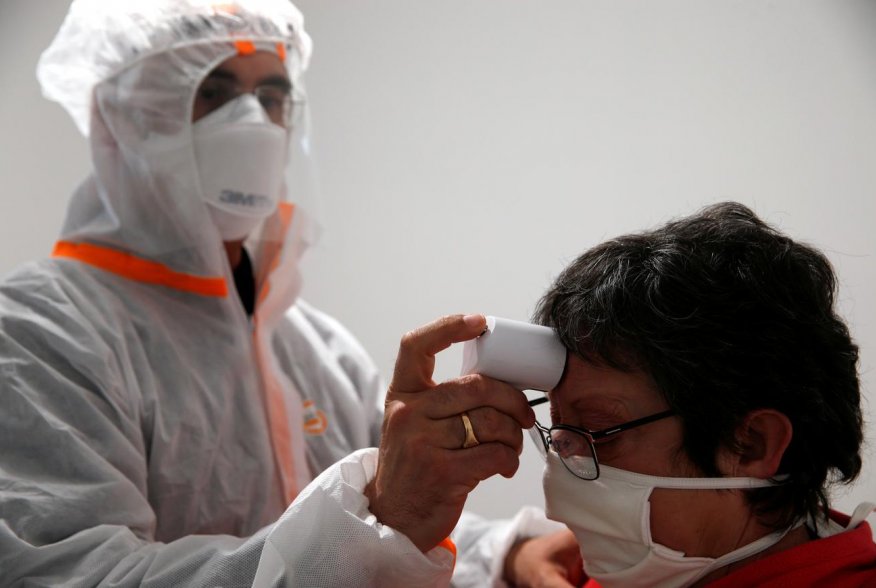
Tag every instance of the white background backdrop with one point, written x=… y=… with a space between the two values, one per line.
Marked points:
x=469 y=149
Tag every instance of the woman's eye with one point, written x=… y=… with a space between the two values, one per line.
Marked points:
x=570 y=444
x=609 y=448
x=605 y=440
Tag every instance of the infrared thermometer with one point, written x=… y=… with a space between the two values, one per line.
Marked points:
x=527 y=356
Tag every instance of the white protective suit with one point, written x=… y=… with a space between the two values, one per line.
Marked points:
x=151 y=433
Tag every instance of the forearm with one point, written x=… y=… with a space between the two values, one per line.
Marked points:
x=328 y=537
x=484 y=544
x=113 y=555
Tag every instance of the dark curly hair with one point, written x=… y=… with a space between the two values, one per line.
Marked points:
x=726 y=315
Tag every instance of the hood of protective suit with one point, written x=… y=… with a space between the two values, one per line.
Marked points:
x=127 y=73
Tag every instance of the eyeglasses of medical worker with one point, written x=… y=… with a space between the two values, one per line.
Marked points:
x=576 y=446
x=277 y=97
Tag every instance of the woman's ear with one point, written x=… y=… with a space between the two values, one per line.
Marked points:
x=762 y=439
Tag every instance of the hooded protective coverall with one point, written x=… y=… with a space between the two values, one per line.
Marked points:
x=151 y=433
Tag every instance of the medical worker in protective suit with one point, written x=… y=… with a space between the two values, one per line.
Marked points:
x=165 y=396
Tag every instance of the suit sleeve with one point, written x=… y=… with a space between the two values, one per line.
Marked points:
x=73 y=466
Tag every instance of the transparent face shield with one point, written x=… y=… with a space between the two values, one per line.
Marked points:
x=100 y=38
x=281 y=102
x=127 y=73
x=243 y=95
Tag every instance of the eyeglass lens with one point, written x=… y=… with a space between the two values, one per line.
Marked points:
x=576 y=452
x=574 y=449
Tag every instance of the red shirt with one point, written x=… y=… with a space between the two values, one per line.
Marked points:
x=845 y=560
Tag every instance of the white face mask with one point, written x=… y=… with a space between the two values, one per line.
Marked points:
x=611 y=520
x=240 y=156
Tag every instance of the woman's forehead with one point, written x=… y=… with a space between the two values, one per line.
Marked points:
x=588 y=382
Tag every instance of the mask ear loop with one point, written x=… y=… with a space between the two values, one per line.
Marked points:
x=862 y=511
x=745 y=551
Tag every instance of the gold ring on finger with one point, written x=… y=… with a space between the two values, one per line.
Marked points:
x=470 y=439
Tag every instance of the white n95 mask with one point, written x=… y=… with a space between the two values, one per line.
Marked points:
x=240 y=156
x=611 y=520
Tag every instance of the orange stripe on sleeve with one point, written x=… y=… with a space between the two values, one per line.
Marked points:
x=449 y=545
x=245 y=47
x=140 y=270
x=281 y=51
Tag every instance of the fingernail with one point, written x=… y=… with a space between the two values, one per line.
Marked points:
x=473 y=320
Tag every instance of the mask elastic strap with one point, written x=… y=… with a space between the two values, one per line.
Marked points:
x=645 y=480
x=862 y=511
x=745 y=551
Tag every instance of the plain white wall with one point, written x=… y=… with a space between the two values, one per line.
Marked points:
x=468 y=150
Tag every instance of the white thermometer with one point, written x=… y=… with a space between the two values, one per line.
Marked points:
x=527 y=356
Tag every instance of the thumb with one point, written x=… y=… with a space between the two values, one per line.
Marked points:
x=416 y=355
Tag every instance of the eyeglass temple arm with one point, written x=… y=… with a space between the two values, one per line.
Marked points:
x=632 y=424
x=618 y=429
